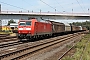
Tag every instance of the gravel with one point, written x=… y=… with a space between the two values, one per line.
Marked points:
x=45 y=55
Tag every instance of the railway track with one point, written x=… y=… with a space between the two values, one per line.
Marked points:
x=7 y=37
x=69 y=50
x=66 y=52
x=3 y=35
x=23 y=51
x=10 y=44
x=54 y=52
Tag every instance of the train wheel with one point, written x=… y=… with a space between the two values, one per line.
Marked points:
x=29 y=39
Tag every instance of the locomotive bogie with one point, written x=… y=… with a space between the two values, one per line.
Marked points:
x=25 y=36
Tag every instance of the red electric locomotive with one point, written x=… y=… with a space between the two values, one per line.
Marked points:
x=33 y=28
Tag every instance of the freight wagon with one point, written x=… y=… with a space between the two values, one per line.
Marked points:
x=67 y=27
x=75 y=28
x=57 y=28
x=84 y=28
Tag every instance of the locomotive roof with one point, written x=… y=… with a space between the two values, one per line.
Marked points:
x=24 y=20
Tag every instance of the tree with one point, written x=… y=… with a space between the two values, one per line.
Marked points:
x=11 y=21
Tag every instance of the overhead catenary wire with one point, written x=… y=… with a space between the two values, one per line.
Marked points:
x=80 y=6
x=12 y=5
x=29 y=3
x=49 y=5
x=82 y=3
x=84 y=6
x=60 y=6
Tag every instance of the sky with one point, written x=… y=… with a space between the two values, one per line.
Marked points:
x=46 y=5
x=75 y=6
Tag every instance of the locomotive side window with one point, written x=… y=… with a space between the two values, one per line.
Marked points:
x=28 y=23
x=22 y=24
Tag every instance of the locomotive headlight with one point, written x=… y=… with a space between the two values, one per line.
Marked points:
x=20 y=28
x=28 y=28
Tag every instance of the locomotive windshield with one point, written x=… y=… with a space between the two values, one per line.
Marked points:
x=22 y=24
x=27 y=23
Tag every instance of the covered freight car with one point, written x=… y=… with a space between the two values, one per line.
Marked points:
x=57 y=27
x=75 y=28
x=67 y=27
x=84 y=28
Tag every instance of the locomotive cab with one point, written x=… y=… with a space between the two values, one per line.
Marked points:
x=25 y=28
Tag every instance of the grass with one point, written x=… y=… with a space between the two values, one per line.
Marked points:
x=80 y=46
